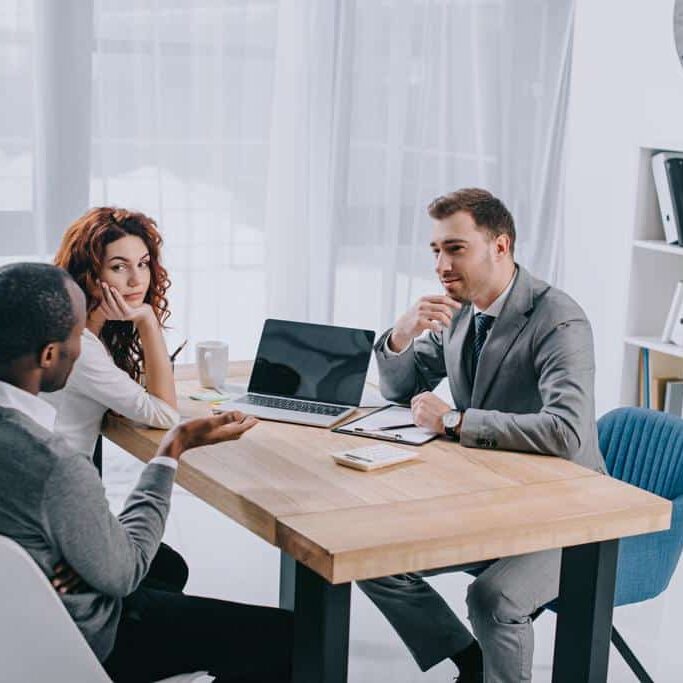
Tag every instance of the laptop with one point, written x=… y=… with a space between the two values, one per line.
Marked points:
x=307 y=374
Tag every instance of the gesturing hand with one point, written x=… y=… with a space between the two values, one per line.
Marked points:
x=205 y=431
x=66 y=580
x=428 y=313
x=115 y=307
x=428 y=410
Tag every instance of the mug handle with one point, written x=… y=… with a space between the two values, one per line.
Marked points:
x=205 y=359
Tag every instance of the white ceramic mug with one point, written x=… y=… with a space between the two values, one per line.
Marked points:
x=212 y=363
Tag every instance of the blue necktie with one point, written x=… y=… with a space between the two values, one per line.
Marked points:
x=482 y=324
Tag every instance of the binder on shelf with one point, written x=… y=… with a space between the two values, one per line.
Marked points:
x=667 y=169
x=675 y=314
x=677 y=328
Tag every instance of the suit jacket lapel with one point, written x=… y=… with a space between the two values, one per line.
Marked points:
x=505 y=330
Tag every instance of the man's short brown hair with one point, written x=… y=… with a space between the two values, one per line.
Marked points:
x=487 y=211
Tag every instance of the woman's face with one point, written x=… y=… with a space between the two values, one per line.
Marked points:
x=126 y=267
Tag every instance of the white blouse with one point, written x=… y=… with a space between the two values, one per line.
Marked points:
x=96 y=385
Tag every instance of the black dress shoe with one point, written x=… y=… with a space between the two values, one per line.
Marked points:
x=470 y=677
x=470 y=664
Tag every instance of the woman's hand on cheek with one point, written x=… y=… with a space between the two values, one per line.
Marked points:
x=115 y=307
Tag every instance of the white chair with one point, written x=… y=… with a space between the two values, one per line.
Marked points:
x=38 y=639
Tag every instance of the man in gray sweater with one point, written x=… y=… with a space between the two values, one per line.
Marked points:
x=52 y=502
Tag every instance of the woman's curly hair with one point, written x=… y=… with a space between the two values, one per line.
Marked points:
x=81 y=253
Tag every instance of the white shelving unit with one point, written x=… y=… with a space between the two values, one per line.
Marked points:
x=655 y=344
x=656 y=267
x=659 y=245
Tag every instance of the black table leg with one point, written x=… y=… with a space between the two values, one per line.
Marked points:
x=287 y=579
x=321 y=623
x=97 y=455
x=584 y=616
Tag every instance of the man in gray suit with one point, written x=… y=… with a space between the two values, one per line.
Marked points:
x=518 y=355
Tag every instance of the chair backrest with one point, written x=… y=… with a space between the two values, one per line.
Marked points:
x=645 y=448
x=38 y=639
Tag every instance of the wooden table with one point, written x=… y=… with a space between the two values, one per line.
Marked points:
x=454 y=506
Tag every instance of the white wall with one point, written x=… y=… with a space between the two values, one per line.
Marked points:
x=626 y=92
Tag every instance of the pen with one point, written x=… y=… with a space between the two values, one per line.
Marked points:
x=394 y=437
x=390 y=427
x=174 y=355
x=382 y=429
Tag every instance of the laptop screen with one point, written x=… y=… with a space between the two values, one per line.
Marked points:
x=312 y=362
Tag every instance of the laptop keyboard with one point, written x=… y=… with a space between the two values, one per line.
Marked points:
x=292 y=404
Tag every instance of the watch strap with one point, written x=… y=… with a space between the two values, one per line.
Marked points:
x=451 y=431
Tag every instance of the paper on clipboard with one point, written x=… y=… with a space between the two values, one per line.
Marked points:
x=374 y=424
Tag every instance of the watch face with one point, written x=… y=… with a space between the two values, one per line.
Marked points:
x=450 y=419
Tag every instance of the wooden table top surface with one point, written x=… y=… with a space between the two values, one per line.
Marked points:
x=454 y=505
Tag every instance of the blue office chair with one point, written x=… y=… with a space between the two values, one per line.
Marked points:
x=644 y=448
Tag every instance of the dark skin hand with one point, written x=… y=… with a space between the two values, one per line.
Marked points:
x=66 y=580
x=227 y=426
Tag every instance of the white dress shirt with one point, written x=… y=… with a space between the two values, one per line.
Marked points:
x=44 y=414
x=497 y=305
x=39 y=411
x=96 y=385
x=493 y=310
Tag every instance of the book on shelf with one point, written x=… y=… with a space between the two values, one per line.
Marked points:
x=667 y=169
x=673 y=400
x=674 y=320
x=659 y=387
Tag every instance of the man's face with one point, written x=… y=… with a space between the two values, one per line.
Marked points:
x=65 y=353
x=468 y=259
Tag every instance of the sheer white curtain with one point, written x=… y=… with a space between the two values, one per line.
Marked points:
x=287 y=148
x=182 y=95
x=448 y=94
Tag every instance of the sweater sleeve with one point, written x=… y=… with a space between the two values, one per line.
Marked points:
x=97 y=376
x=110 y=554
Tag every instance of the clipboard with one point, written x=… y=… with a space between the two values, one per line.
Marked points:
x=370 y=426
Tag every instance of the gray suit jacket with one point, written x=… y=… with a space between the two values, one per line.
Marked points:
x=533 y=389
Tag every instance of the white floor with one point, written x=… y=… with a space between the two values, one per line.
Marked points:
x=226 y=561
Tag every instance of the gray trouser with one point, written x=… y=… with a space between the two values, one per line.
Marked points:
x=500 y=602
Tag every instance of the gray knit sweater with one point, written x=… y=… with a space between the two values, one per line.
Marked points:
x=53 y=503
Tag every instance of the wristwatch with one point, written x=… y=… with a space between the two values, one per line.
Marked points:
x=451 y=421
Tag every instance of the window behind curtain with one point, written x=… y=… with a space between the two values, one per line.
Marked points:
x=378 y=107
x=18 y=238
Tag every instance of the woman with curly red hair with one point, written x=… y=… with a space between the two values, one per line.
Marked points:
x=114 y=256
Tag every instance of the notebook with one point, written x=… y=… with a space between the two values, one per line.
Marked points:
x=389 y=423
